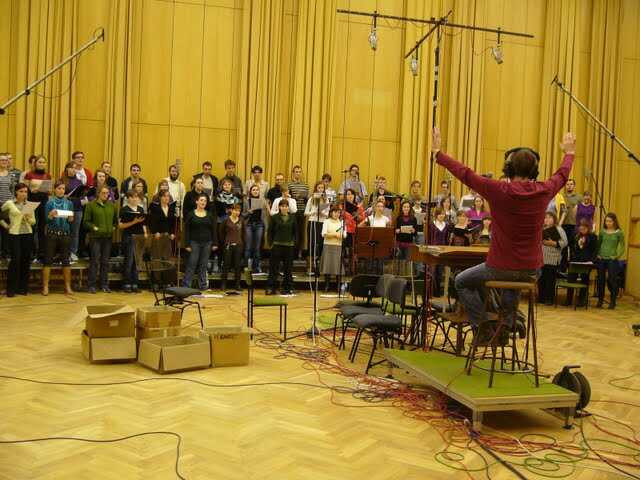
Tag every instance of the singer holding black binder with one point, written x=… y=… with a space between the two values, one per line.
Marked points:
x=517 y=209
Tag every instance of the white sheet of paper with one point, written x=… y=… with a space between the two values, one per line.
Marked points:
x=29 y=208
x=64 y=213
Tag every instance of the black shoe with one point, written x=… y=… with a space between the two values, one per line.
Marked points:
x=612 y=304
x=271 y=291
x=599 y=305
x=92 y=289
x=106 y=289
x=287 y=292
x=11 y=294
x=126 y=289
x=135 y=289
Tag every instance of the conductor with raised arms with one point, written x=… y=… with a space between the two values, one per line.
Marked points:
x=517 y=209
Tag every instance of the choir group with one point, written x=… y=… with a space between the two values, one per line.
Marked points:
x=231 y=222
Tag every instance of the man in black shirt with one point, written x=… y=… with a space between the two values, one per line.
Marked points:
x=275 y=191
x=230 y=174
x=135 y=171
x=209 y=181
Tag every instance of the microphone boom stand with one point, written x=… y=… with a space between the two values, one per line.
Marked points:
x=584 y=108
x=30 y=87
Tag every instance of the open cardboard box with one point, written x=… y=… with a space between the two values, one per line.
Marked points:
x=229 y=345
x=105 y=321
x=108 y=349
x=159 y=332
x=159 y=316
x=174 y=354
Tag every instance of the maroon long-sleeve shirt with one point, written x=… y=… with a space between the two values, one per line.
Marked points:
x=517 y=210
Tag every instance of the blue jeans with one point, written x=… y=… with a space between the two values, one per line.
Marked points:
x=253 y=241
x=130 y=272
x=197 y=262
x=75 y=231
x=470 y=290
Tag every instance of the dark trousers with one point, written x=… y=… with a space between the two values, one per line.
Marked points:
x=57 y=244
x=547 y=283
x=4 y=243
x=20 y=249
x=232 y=259
x=100 y=253
x=41 y=222
x=608 y=271
x=570 y=230
x=130 y=272
x=281 y=254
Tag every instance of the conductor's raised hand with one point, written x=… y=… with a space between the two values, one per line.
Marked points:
x=568 y=143
x=436 y=140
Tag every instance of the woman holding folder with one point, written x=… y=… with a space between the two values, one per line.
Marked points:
x=59 y=214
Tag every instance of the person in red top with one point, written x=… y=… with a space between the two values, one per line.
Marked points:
x=38 y=193
x=517 y=209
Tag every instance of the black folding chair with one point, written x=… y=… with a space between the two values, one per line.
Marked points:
x=161 y=274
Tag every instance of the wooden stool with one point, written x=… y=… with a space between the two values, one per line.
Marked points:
x=499 y=340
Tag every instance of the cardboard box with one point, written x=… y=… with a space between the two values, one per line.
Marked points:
x=109 y=349
x=160 y=316
x=105 y=321
x=173 y=354
x=229 y=345
x=160 y=332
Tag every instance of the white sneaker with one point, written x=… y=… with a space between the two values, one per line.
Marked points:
x=73 y=257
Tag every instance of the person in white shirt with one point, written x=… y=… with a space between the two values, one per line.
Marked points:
x=378 y=219
x=293 y=208
x=256 y=179
x=466 y=201
x=331 y=194
x=176 y=188
x=316 y=211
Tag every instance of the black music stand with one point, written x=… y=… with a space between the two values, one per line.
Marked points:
x=373 y=243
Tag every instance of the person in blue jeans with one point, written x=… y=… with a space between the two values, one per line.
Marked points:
x=201 y=238
x=254 y=214
x=518 y=207
x=132 y=223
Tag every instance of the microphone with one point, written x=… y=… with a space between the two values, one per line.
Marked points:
x=555 y=79
x=344 y=171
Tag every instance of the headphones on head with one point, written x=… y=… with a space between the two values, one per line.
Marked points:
x=508 y=169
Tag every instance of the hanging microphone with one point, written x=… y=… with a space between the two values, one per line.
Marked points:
x=555 y=79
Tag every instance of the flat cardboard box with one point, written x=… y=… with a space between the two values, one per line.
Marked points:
x=174 y=354
x=159 y=316
x=229 y=345
x=111 y=349
x=110 y=321
x=160 y=332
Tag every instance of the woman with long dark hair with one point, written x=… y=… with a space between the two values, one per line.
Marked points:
x=610 y=250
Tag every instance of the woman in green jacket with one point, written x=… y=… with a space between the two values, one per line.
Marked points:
x=610 y=250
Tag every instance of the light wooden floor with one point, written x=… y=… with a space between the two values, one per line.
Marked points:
x=290 y=432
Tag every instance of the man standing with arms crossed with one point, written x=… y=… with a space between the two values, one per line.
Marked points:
x=517 y=210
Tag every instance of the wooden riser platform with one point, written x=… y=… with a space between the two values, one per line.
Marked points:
x=446 y=373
